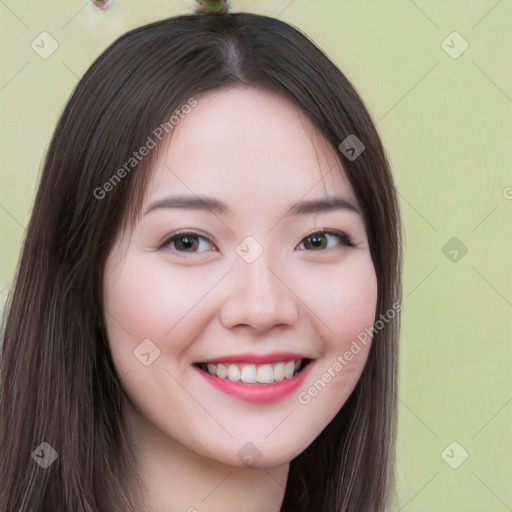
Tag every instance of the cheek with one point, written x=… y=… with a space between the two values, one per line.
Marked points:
x=147 y=300
x=346 y=301
x=144 y=301
x=346 y=311
x=349 y=304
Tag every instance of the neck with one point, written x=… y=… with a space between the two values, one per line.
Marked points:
x=177 y=479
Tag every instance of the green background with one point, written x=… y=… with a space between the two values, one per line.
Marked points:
x=446 y=124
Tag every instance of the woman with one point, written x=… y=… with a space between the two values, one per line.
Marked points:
x=206 y=309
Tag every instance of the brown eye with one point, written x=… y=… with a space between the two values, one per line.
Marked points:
x=187 y=243
x=319 y=240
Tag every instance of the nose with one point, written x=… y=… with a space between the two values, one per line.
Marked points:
x=257 y=296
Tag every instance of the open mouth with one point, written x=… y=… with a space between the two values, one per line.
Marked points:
x=249 y=373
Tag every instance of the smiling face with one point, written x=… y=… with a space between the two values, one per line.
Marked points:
x=248 y=280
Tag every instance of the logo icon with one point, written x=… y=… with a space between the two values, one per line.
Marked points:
x=249 y=454
x=454 y=45
x=249 y=249
x=45 y=455
x=44 y=45
x=454 y=250
x=351 y=147
x=454 y=455
x=147 y=352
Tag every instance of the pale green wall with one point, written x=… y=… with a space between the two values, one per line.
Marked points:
x=446 y=124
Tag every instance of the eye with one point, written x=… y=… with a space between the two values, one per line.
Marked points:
x=192 y=242
x=319 y=240
x=187 y=242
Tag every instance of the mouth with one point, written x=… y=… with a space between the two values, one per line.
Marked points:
x=256 y=379
x=255 y=374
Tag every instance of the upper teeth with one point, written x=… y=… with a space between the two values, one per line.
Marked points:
x=253 y=373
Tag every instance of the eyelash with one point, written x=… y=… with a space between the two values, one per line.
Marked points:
x=345 y=239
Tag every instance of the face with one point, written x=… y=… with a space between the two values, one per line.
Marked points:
x=265 y=284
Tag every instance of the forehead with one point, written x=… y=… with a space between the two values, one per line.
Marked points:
x=249 y=147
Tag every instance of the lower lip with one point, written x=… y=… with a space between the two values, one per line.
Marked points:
x=257 y=393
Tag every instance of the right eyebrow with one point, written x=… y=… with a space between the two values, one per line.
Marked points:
x=190 y=203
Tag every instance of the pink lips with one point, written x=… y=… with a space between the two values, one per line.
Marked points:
x=258 y=393
x=274 y=357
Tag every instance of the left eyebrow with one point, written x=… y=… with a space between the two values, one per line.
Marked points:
x=327 y=204
x=323 y=205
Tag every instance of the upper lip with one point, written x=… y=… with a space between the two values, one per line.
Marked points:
x=273 y=357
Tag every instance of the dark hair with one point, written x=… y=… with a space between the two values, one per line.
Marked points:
x=58 y=383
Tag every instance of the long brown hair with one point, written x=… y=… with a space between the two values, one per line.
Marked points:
x=58 y=383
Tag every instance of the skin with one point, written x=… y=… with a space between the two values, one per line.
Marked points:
x=256 y=152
